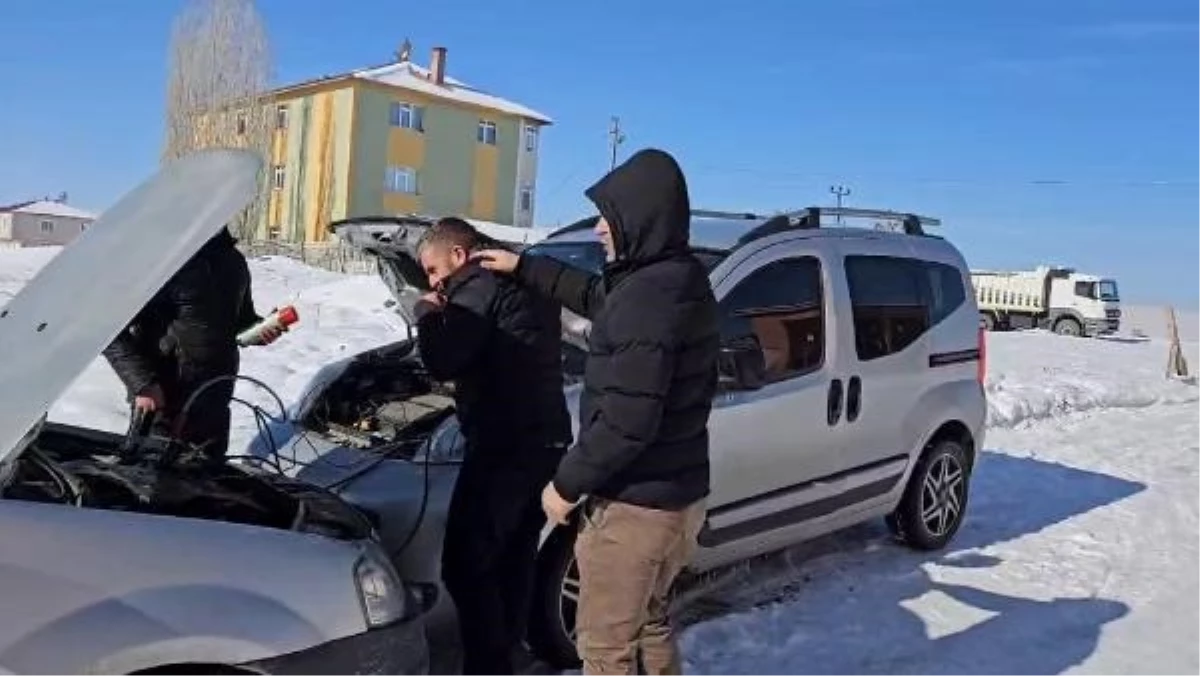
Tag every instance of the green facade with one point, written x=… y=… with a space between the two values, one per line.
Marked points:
x=445 y=179
x=370 y=149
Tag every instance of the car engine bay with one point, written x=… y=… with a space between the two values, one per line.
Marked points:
x=380 y=401
x=93 y=469
x=387 y=400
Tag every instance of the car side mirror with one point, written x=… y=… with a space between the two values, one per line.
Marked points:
x=741 y=365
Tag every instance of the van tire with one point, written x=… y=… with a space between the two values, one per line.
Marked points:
x=548 y=635
x=926 y=519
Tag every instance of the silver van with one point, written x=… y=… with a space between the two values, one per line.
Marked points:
x=851 y=389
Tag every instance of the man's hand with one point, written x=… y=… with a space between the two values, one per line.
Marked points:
x=556 y=508
x=496 y=260
x=434 y=298
x=271 y=333
x=149 y=400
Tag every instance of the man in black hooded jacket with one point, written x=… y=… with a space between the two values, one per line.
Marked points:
x=184 y=337
x=641 y=458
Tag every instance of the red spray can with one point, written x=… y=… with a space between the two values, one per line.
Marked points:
x=280 y=320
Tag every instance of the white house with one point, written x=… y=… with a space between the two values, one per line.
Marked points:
x=42 y=223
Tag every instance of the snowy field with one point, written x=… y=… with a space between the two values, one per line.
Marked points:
x=1079 y=552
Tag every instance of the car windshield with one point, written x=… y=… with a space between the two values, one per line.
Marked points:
x=589 y=256
x=1108 y=290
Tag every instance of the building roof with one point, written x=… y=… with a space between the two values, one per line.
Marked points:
x=48 y=208
x=408 y=75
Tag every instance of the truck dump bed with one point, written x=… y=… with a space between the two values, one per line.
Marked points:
x=1019 y=292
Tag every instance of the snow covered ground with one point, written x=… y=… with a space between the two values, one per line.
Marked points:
x=1079 y=552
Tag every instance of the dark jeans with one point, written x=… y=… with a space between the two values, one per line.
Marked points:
x=205 y=425
x=490 y=552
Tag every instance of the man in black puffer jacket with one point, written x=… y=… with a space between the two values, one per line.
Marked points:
x=499 y=343
x=641 y=459
x=185 y=336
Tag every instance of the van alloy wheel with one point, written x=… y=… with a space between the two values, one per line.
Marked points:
x=935 y=500
x=942 y=495
x=568 y=599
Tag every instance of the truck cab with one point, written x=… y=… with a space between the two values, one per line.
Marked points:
x=1094 y=299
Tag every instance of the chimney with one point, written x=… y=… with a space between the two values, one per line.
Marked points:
x=437 y=66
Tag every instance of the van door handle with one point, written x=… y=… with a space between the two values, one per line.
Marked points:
x=834 y=412
x=853 y=399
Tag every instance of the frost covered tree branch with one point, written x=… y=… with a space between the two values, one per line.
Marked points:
x=219 y=75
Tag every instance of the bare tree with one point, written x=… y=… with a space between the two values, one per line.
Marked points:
x=220 y=70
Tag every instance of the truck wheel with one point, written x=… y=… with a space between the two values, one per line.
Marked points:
x=935 y=500
x=1068 y=326
x=988 y=321
x=555 y=599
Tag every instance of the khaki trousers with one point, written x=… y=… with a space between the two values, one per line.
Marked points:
x=628 y=558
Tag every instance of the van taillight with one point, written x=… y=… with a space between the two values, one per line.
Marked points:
x=982 y=373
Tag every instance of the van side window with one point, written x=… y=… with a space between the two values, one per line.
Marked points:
x=780 y=307
x=946 y=292
x=888 y=302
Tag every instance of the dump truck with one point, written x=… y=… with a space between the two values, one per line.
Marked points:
x=1057 y=299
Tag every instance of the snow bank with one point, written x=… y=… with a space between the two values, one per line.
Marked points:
x=1036 y=375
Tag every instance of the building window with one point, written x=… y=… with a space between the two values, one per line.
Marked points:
x=278 y=176
x=531 y=134
x=241 y=124
x=487 y=132
x=401 y=179
x=526 y=198
x=273 y=232
x=47 y=226
x=281 y=117
x=407 y=116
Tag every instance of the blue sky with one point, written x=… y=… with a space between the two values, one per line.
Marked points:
x=1038 y=131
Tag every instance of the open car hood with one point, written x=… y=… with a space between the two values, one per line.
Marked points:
x=393 y=240
x=72 y=309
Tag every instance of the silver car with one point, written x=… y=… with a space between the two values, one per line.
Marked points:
x=851 y=389
x=123 y=554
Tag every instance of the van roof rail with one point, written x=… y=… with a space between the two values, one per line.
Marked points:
x=809 y=218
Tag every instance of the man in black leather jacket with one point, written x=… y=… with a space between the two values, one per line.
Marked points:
x=184 y=337
x=500 y=344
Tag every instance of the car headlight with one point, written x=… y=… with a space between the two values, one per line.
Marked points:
x=379 y=588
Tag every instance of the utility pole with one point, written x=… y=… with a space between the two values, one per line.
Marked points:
x=615 y=138
x=839 y=191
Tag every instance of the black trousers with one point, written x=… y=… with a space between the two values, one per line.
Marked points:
x=490 y=552
x=205 y=425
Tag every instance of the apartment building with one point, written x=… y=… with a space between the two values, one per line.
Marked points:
x=395 y=139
